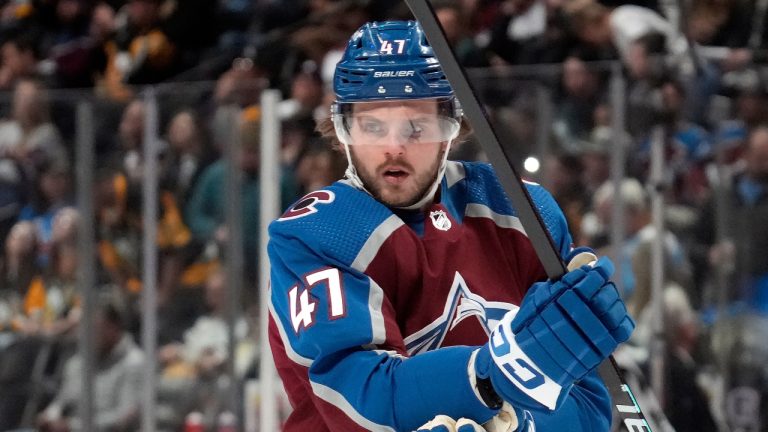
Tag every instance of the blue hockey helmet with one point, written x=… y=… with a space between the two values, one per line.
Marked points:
x=389 y=60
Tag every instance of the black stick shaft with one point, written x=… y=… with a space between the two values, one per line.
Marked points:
x=625 y=406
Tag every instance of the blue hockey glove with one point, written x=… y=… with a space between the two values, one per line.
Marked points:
x=561 y=331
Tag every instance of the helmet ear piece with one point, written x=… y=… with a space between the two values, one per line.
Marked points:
x=458 y=111
x=341 y=128
x=451 y=108
x=339 y=119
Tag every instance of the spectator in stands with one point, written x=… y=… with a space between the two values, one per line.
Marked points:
x=329 y=22
x=605 y=29
x=118 y=203
x=595 y=152
x=37 y=319
x=17 y=270
x=51 y=193
x=29 y=136
x=297 y=136
x=581 y=94
x=298 y=113
x=616 y=28
x=737 y=342
x=321 y=40
x=205 y=344
x=753 y=184
x=687 y=405
x=12 y=194
x=455 y=24
x=528 y=31
x=235 y=18
x=738 y=25
x=687 y=150
x=634 y=255
x=645 y=67
x=745 y=234
x=18 y=273
x=562 y=177
x=750 y=110
x=74 y=45
x=189 y=153
x=306 y=94
x=118 y=218
x=319 y=166
x=131 y=137
x=16 y=13
x=63 y=22
x=63 y=277
x=205 y=211
x=241 y=84
x=51 y=304
x=140 y=52
x=18 y=59
x=725 y=23
x=19 y=261
x=102 y=21
x=194 y=368
x=192 y=26
x=117 y=384
x=127 y=153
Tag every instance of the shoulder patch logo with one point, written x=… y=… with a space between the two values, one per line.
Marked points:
x=440 y=220
x=308 y=205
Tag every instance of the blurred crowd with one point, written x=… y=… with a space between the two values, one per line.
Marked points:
x=695 y=86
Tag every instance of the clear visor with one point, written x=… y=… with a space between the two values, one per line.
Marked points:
x=394 y=123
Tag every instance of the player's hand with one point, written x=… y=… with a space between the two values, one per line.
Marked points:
x=561 y=332
x=504 y=421
x=443 y=423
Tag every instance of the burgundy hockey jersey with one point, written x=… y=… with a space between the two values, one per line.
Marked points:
x=375 y=312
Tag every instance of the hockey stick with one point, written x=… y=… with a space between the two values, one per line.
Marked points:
x=625 y=405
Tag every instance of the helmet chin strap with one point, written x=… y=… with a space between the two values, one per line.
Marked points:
x=356 y=181
x=351 y=172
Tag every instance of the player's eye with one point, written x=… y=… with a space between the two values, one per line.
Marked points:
x=413 y=131
x=372 y=127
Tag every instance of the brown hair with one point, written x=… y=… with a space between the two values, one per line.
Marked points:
x=583 y=14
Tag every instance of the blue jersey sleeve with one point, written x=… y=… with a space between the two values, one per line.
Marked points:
x=587 y=408
x=553 y=218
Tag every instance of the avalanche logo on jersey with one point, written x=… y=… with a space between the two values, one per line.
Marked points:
x=461 y=304
x=308 y=204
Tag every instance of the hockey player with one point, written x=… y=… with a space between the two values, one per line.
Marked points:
x=409 y=289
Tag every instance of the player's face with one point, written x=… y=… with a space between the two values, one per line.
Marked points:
x=396 y=169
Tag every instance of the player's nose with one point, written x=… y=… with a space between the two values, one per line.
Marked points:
x=395 y=143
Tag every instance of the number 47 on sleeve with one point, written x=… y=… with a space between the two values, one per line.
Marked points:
x=303 y=309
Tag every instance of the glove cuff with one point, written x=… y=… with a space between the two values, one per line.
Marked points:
x=482 y=386
x=523 y=380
